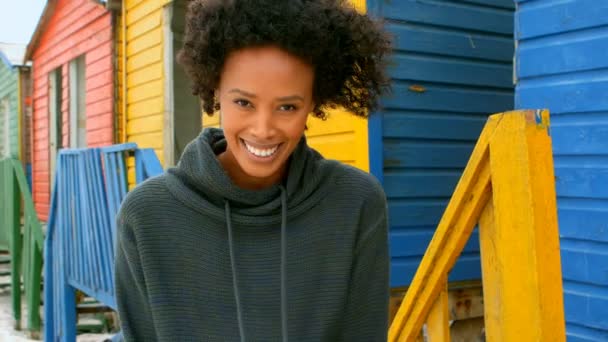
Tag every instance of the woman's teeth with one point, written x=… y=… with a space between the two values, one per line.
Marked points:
x=261 y=152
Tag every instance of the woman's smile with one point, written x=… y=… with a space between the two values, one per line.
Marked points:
x=261 y=152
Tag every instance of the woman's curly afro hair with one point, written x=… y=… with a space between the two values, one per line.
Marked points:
x=346 y=49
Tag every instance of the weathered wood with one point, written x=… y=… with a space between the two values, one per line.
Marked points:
x=25 y=241
x=471 y=194
x=465 y=300
x=519 y=239
x=89 y=308
x=438 y=321
x=394 y=302
x=468 y=330
x=508 y=186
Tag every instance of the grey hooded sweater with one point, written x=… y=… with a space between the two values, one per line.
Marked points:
x=200 y=259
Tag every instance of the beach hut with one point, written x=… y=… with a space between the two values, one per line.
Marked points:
x=456 y=62
x=452 y=67
x=15 y=105
x=73 y=85
x=562 y=64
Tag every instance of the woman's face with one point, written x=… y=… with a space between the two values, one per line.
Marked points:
x=265 y=95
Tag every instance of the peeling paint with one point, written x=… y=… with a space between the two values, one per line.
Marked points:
x=472 y=42
x=417 y=88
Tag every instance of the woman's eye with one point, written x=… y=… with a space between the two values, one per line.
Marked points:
x=288 y=108
x=242 y=103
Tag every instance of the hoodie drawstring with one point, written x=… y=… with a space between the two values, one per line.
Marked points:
x=235 y=286
x=284 y=264
x=237 y=295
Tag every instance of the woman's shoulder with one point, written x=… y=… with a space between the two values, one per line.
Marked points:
x=366 y=197
x=148 y=197
x=359 y=183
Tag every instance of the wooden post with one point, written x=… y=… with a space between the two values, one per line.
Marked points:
x=457 y=223
x=13 y=221
x=518 y=235
x=507 y=186
x=438 y=322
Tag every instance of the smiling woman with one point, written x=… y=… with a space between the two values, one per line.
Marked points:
x=263 y=125
x=254 y=235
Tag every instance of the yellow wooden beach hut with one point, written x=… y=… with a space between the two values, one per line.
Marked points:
x=155 y=107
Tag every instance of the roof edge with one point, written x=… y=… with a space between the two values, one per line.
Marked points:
x=49 y=8
x=44 y=18
x=6 y=61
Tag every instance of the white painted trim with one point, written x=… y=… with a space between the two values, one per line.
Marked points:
x=78 y=118
x=168 y=119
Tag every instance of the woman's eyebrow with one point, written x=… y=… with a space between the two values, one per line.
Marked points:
x=242 y=92
x=282 y=98
x=291 y=98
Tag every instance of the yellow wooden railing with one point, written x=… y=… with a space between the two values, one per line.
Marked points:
x=507 y=188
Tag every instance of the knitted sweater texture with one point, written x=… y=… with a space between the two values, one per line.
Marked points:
x=200 y=259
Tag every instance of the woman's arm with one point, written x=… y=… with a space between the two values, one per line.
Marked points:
x=366 y=313
x=131 y=294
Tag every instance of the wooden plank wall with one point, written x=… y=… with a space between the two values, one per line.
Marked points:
x=145 y=75
x=562 y=65
x=9 y=92
x=452 y=67
x=75 y=28
x=26 y=116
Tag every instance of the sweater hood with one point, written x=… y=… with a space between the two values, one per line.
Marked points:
x=200 y=182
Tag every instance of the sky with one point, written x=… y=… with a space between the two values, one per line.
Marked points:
x=18 y=20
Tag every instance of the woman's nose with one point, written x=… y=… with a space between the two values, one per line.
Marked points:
x=263 y=125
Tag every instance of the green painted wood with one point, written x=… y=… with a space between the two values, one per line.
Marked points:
x=24 y=243
x=9 y=93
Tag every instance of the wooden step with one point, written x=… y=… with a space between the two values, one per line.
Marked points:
x=90 y=325
x=92 y=308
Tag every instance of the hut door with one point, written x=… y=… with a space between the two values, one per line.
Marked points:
x=55 y=120
x=186 y=119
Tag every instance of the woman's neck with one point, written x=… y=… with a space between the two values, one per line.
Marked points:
x=245 y=181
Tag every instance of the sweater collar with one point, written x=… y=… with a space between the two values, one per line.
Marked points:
x=201 y=182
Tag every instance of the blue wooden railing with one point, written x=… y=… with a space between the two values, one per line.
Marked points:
x=90 y=185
